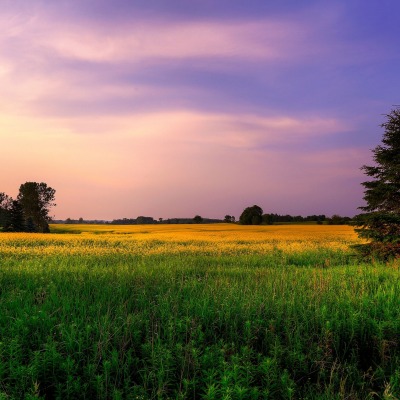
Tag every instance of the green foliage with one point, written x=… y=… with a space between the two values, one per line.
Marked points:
x=36 y=200
x=380 y=223
x=379 y=227
x=251 y=216
x=118 y=326
x=30 y=212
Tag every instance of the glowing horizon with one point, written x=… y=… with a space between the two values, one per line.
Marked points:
x=189 y=109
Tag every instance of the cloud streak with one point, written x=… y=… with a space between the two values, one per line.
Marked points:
x=177 y=113
x=158 y=39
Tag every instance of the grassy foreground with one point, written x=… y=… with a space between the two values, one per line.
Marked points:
x=196 y=312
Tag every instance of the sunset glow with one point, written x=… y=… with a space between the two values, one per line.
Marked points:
x=172 y=110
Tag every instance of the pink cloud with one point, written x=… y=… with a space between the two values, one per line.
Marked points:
x=203 y=159
x=157 y=39
x=171 y=161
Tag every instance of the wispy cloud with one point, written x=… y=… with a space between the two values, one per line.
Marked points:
x=209 y=110
x=158 y=39
x=48 y=61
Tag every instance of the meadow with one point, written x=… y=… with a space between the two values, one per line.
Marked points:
x=196 y=312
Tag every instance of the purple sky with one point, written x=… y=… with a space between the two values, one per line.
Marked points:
x=176 y=108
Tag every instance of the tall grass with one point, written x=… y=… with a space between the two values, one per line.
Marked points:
x=113 y=316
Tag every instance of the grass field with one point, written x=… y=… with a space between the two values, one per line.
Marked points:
x=196 y=312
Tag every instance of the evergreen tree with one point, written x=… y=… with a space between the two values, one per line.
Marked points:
x=380 y=222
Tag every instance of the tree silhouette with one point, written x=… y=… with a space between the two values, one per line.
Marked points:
x=251 y=216
x=229 y=218
x=30 y=225
x=380 y=222
x=16 y=222
x=36 y=200
x=198 y=219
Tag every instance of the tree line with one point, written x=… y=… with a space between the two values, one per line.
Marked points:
x=254 y=216
x=142 y=220
x=266 y=219
x=29 y=212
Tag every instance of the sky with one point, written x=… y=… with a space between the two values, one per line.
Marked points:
x=176 y=108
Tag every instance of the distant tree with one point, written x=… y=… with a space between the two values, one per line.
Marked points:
x=36 y=200
x=144 y=220
x=197 y=219
x=269 y=219
x=229 y=218
x=81 y=221
x=160 y=220
x=380 y=222
x=124 y=221
x=336 y=220
x=251 y=216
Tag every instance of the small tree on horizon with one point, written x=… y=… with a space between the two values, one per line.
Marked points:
x=229 y=218
x=251 y=216
x=380 y=222
x=198 y=219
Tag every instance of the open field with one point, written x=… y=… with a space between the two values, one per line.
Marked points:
x=196 y=312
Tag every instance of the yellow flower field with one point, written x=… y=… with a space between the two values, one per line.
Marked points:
x=196 y=312
x=212 y=239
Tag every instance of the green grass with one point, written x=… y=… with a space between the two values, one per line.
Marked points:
x=124 y=326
